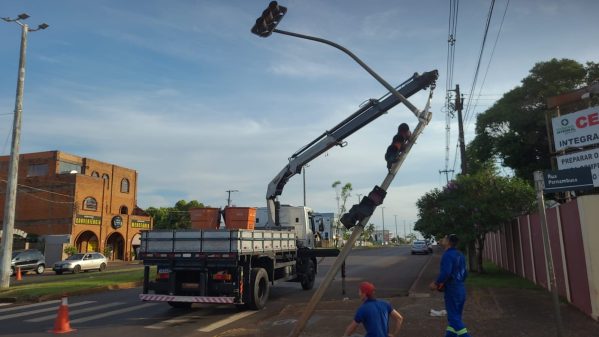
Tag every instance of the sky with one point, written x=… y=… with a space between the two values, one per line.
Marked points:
x=184 y=94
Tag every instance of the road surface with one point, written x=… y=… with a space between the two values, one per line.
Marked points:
x=120 y=313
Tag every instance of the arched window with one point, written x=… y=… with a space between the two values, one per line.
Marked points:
x=124 y=210
x=107 y=178
x=95 y=174
x=125 y=186
x=90 y=204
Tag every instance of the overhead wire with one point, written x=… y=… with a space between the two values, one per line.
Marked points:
x=476 y=71
x=451 y=40
x=467 y=121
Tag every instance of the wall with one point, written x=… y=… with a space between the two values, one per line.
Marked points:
x=573 y=236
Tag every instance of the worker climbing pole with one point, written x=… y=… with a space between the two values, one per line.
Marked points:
x=359 y=215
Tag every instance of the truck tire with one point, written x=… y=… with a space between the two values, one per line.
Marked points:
x=309 y=277
x=259 y=289
x=180 y=305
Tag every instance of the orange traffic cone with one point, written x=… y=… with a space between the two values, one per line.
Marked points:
x=62 y=324
x=19 y=276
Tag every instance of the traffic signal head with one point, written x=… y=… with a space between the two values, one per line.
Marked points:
x=269 y=20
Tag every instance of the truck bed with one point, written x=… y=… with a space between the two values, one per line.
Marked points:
x=239 y=241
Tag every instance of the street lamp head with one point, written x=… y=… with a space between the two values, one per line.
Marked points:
x=23 y=16
x=43 y=26
x=269 y=19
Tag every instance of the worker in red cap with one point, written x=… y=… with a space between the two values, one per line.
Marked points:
x=374 y=315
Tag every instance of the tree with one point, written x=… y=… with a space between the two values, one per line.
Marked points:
x=474 y=205
x=341 y=202
x=176 y=217
x=514 y=128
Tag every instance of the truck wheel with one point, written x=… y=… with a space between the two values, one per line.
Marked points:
x=259 y=289
x=180 y=305
x=309 y=277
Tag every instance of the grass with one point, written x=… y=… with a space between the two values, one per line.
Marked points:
x=59 y=286
x=497 y=278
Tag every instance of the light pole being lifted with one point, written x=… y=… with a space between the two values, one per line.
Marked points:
x=8 y=224
x=359 y=215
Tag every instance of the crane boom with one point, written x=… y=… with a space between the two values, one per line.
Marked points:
x=367 y=113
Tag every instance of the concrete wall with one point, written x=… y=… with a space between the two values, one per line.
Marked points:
x=574 y=242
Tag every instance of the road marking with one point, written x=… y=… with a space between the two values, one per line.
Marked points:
x=41 y=310
x=27 y=306
x=75 y=312
x=226 y=321
x=284 y=322
x=176 y=320
x=112 y=313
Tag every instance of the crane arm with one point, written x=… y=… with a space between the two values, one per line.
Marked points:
x=367 y=113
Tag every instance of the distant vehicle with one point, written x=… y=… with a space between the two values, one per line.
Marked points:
x=81 y=262
x=419 y=247
x=26 y=260
x=429 y=244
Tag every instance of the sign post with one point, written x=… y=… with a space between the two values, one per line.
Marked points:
x=540 y=186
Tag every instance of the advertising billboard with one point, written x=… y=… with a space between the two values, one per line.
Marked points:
x=589 y=158
x=577 y=129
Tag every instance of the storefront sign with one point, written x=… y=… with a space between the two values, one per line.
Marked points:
x=589 y=158
x=577 y=129
x=81 y=219
x=575 y=179
x=141 y=224
x=117 y=222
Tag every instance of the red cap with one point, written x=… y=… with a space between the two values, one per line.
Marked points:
x=367 y=289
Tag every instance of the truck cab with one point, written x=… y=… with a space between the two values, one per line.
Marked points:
x=299 y=218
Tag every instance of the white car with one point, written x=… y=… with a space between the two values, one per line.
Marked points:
x=81 y=261
x=419 y=247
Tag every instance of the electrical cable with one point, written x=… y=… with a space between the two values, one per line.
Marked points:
x=467 y=121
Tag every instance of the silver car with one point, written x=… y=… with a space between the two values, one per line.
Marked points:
x=419 y=247
x=81 y=261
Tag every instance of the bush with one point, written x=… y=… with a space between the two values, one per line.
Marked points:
x=70 y=250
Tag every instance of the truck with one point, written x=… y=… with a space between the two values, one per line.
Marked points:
x=238 y=266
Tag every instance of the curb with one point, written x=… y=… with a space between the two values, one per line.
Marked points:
x=89 y=291
x=417 y=280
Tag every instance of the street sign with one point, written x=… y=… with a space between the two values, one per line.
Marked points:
x=575 y=179
x=577 y=129
x=589 y=158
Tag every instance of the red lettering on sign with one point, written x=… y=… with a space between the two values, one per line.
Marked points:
x=594 y=118
x=581 y=122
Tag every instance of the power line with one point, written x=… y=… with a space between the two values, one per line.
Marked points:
x=451 y=40
x=488 y=64
x=40 y=189
x=480 y=56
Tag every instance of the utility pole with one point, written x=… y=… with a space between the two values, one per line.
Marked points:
x=304 y=175
x=459 y=105
x=404 y=231
x=8 y=224
x=359 y=197
x=229 y=196
x=396 y=235
x=446 y=174
x=383 y=214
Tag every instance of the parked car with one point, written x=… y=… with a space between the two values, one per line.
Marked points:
x=29 y=259
x=419 y=247
x=429 y=244
x=81 y=262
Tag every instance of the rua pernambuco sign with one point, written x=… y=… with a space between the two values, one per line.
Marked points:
x=577 y=129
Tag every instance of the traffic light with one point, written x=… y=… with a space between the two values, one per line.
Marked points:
x=269 y=20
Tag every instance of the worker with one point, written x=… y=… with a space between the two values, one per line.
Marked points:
x=451 y=281
x=374 y=315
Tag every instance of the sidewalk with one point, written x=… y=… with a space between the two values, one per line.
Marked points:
x=497 y=312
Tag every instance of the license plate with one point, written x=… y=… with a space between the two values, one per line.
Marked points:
x=190 y=285
x=164 y=271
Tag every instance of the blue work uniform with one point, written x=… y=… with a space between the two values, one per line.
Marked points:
x=452 y=276
x=374 y=315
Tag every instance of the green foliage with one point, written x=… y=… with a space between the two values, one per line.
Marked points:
x=514 y=128
x=176 y=217
x=473 y=205
x=70 y=250
x=495 y=277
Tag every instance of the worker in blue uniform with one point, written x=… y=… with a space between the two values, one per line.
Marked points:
x=451 y=281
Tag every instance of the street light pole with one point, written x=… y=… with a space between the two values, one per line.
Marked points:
x=396 y=235
x=229 y=196
x=13 y=169
x=383 y=215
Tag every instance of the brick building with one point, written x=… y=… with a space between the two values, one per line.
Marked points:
x=90 y=203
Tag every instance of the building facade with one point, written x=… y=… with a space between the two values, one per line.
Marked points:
x=90 y=203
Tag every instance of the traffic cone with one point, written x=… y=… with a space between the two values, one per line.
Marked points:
x=19 y=276
x=62 y=323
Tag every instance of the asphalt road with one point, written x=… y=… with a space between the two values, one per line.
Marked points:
x=392 y=270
